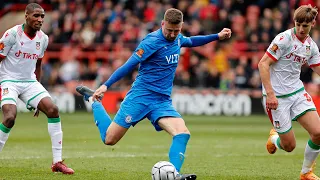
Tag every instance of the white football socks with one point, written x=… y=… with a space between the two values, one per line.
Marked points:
x=3 y=139
x=91 y=100
x=274 y=139
x=56 y=135
x=310 y=156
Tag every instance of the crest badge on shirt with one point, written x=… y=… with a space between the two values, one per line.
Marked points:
x=308 y=51
x=277 y=124
x=37 y=45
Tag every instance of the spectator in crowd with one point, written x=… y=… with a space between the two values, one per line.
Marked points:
x=114 y=26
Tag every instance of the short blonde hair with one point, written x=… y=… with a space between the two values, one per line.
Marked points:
x=173 y=16
x=305 y=13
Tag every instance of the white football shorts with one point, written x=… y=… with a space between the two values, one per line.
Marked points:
x=289 y=109
x=30 y=93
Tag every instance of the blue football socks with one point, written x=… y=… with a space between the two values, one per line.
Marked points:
x=101 y=118
x=177 y=150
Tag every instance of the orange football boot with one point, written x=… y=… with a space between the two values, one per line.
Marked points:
x=309 y=175
x=270 y=146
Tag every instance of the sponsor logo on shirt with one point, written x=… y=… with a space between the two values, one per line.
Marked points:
x=296 y=58
x=26 y=55
x=173 y=58
x=140 y=52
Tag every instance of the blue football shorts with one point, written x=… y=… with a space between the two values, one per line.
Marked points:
x=141 y=104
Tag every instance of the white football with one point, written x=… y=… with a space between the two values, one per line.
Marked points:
x=163 y=170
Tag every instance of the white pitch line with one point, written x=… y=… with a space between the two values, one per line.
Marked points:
x=129 y=155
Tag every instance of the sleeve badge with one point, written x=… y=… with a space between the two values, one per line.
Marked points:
x=1 y=46
x=140 y=52
x=274 y=48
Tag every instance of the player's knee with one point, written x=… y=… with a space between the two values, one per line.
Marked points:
x=289 y=147
x=110 y=142
x=53 y=111
x=183 y=130
x=9 y=120
x=315 y=137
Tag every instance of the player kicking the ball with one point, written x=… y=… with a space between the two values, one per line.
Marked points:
x=285 y=98
x=158 y=55
x=21 y=50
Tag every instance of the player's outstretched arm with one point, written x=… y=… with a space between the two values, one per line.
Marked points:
x=99 y=93
x=204 y=39
x=116 y=76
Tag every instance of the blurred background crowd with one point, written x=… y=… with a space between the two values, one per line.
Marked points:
x=89 y=39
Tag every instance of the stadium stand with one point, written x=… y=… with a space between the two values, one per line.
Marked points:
x=90 y=39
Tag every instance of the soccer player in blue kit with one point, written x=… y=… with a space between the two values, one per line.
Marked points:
x=158 y=55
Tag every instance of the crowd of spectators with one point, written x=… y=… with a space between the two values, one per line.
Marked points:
x=117 y=26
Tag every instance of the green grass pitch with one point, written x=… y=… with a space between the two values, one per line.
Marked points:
x=220 y=148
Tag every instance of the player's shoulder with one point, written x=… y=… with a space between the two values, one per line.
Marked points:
x=284 y=36
x=42 y=35
x=13 y=31
x=153 y=39
x=153 y=36
x=311 y=41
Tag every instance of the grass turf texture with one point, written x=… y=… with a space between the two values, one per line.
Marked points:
x=220 y=148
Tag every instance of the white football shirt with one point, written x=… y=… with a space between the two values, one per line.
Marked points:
x=290 y=54
x=20 y=54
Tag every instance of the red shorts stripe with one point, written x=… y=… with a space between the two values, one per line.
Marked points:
x=270 y=115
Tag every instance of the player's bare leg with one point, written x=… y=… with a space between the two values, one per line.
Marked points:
x=310 y=121
x=110 y=132
x=9 y=115
x=285 y=141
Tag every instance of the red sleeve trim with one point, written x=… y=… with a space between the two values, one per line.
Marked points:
x=271 y=56
x=40 y=59
x=314 y=65
x=2 y=56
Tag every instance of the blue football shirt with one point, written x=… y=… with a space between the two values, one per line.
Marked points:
x=158 y=59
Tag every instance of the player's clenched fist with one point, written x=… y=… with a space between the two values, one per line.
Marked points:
x=99 y=93
x=224 y=34
x=272 y=102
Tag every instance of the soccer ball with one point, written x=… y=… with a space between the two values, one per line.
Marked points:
x=163 y=170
